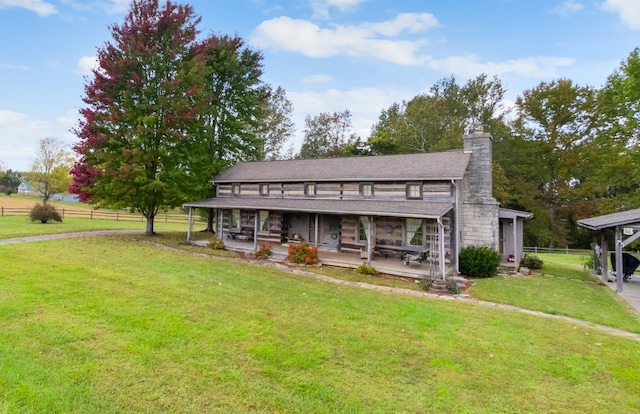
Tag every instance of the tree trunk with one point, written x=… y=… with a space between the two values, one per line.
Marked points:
x=210 y=219
x=149 y=231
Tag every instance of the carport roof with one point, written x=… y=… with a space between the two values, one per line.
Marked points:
x=623 y=218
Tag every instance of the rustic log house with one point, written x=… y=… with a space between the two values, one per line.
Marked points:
x=426 y=205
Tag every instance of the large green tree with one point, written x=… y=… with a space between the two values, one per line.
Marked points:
x=554 y=122
x=277 y=127
x=50 y=170
x=436 y=121
x=327 y=135
x=613 y=179
x=232 y=108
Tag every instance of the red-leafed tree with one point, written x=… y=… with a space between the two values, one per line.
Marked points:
x=136 y=132
x=166 y=112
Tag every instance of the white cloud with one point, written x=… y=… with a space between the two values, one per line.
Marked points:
x=317 y=79
x=43 y=9
x=85 y=65
x=470 y=66
x=568 y=7
x=21 y=133
x=309 y=39
x=364 y=104
x=628 y=10
x=321 y=7
x=14 y=67
x=118 y=6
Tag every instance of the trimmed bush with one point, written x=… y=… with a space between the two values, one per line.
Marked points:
x=215 y=244
x=479 y=261
x=534 y=262
x=364 y=269
x=264 y=250
x=44 y=213
x=302 y=254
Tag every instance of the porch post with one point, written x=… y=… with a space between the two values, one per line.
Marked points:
x=189 y=225
x=441 y=247
x=255 y=229
x=619 y=267
x=604 y=262
x=369 y=241
x=220 y=227
x=516 y=250
x=315 y=238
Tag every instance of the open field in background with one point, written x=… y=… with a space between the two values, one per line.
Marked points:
x=80 y=217
x=112 y=325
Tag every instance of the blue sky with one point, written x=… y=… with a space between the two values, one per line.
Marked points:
x=329 y=55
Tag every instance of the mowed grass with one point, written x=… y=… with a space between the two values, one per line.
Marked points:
x=19 y=226
x=102 y=325
x=561 y=287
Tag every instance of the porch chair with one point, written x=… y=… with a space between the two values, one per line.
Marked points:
x=421 y=257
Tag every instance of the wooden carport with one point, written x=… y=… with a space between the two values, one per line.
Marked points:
x=625 y=223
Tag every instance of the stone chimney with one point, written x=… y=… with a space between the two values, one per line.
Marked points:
x=479 y=208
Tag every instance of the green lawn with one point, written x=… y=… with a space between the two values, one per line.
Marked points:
x=106 y=325
x=19 y=226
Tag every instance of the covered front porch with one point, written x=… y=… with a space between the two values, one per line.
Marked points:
x=391 y=265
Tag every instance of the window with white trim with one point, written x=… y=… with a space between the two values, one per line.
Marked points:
x=310 y=189
x=414 y=191
x=363 y=228
x=414 y=232
x=264 y=221
x=264 y=189
x=366 y=189
x=235 y=218
x=235 y=189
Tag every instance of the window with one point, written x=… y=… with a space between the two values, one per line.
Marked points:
x=264 y=189
x=235 y=189
x=363 y=228
x=264 y=222
x=235 y=219
x=310 y=189
x=414 y=190
x=366 y=189
x=414 y=232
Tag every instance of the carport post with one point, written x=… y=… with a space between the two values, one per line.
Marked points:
x=189 y=225
x=619 y=264
x=604 y=256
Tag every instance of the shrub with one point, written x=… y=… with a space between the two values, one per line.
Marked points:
x=424 y=284
x=532 y=262
x=215 y=244
x=302 y=254
x=365 y=269
x=479 y=261
x=264 y=250
x=44 y=213
x=9 y=191
x=452 y=287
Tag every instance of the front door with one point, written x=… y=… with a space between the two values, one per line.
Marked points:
x=330 y=234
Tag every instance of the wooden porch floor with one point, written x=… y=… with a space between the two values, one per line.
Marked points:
x=389 y=265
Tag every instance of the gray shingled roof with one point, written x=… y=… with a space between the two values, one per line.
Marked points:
x=410 y=208
x=424 y=166
x=611 y=220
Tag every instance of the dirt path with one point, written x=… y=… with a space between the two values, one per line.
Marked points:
x=362 y=285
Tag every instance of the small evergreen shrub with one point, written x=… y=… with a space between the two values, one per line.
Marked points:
x=215 y=244
x=479 y=261
x=264 y=250
x=424 y=284
x=364 y=269
x=533 y=262
x=452 y=287
x=302 y=254
x=44 y=213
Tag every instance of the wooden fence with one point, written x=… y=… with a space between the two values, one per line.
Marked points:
x=563 y=250
x=105 y=215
